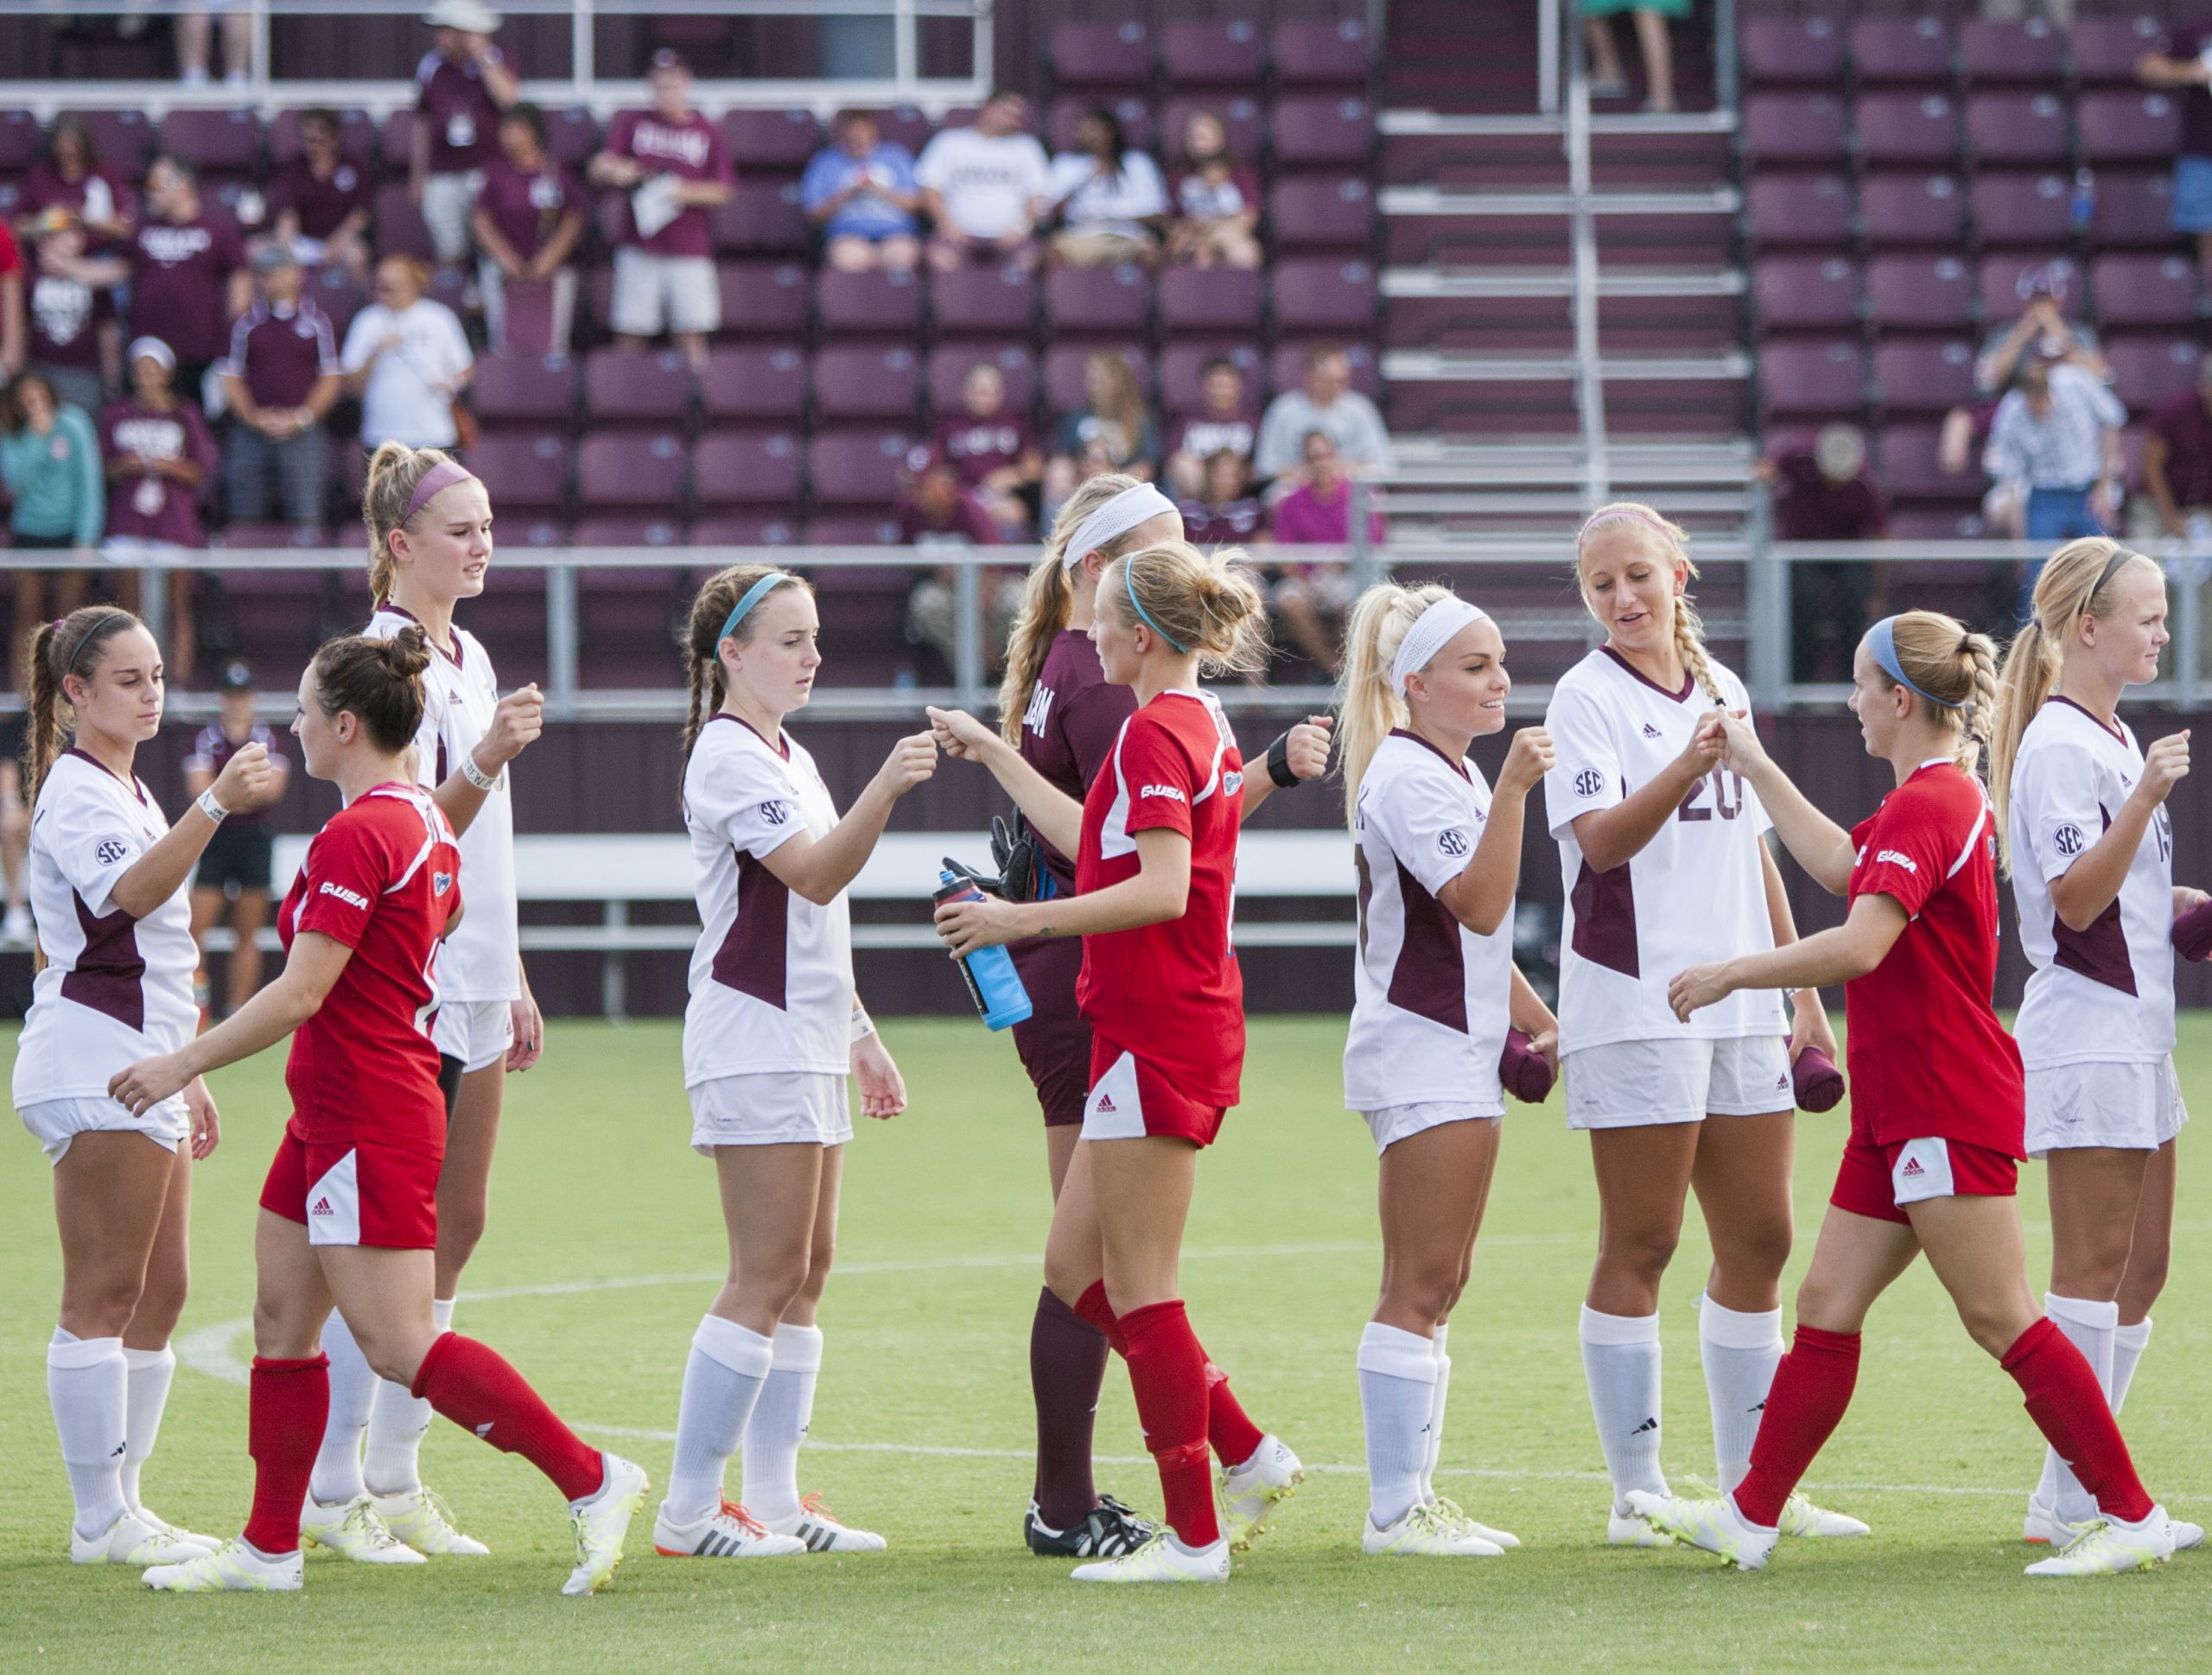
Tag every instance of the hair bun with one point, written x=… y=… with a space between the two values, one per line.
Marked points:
x=408 y=652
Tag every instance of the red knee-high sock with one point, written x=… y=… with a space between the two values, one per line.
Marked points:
x=1168 y=1373
x=1811 y=1389
x=472 y=1385
x=1093 y=1307
x=1235 y=1438
x=2069 y=1408
x=287 y=1404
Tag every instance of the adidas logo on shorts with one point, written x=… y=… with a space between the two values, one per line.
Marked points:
x=322 y=1207
x=1912 y=1170
x=1105 y=1104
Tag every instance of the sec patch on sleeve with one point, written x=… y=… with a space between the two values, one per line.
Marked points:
x=109 y=851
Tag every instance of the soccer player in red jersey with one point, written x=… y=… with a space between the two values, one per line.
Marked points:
x=1155 y=847
x=1058 y=708
x=349 y=1211
x=1937 y=1110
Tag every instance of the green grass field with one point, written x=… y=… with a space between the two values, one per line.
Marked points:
x=604 y=1249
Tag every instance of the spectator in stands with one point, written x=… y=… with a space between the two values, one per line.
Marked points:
x=2057 y=433
x=1312 y=598
x=72 y=189
x=408 y=359
x=50 y=465
x=1608 y=76
x=2183 y=71
x=978 y=184
x=71 y=205
x=1959 y=446
x=14 y=345
x=1109 y=200
x=2177 y=465
x=1224 y=512
x=1824 y=492
x=993 y=451
x=2041 y=334
x=935 y=511
x=322 y=201
x=1224 y=421
x=195 y=26
x=527 y=221
x=1216 y=200
x=160 y=457
x=280 y=379
x=1114 y=420
x=676 y=167
x=1326 y=402
x=860 y=191
x=462 y=84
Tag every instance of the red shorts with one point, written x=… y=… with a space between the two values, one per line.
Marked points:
x=1054 y=1041
x=356 y=1193
x=1878 y=1180
x=1130 y=1099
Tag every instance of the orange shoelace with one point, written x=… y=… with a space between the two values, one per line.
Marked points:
x=751 y=1524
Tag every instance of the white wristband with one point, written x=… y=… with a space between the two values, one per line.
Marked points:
x=476 y=776
x=207 y=805
x=863 y=1025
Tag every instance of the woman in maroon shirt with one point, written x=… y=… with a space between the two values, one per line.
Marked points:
x=159 y=456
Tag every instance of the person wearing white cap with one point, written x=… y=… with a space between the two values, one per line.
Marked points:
x=462 y=84
x=1436 y=991
x=159 y=453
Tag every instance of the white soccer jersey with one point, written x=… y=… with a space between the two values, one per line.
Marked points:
x=2106 y=992
x=114 y=989
x=1694 y=894
x=481 y=961
x=771 y=977
x=1429 y=1017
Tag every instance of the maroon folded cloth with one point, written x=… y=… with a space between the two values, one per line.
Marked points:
x=2193 y=932
x=1818 y=1083
x=1527 y=1074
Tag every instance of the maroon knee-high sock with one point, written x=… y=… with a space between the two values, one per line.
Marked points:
x=287 y=1404
x=1067 y=1366
x=2068 y=1405
x=1235 y=1438
x=1168 y=1373
x=472 y=1385
x=1811 y=1389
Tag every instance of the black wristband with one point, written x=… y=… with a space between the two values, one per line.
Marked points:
x=1279 y=764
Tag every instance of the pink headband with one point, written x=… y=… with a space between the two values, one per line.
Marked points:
x=442 y=475
x=1621 y=514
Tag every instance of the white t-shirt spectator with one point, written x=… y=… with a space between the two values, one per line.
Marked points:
x=409 y=395
x=1351 y=422
x=1092 y=201
x=987 y=184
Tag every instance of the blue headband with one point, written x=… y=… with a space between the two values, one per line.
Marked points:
x=1882 y=643
x=752 y=597
x=1130 y=587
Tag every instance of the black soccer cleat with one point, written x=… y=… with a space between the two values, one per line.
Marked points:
x=1107 y=1531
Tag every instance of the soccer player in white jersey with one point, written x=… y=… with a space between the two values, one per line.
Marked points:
x=429 y=527
x=2089 y=845
x=110 y=881
x=772 y=1029
x=1664 y=866
x=1439 y=854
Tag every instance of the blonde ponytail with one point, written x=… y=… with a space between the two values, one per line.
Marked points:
x=1207 y=604
x=1048 y=597
x=1674 y=543
x=1369 y=704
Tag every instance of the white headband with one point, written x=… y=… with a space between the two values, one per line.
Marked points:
x=1433 y=630
x=1131 y=507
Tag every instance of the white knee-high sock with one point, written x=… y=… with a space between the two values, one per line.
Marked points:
x=778 y=1422
x=1620 y=1362
x=86 y=1385
x=722 y=1378
x=1397 y=1394
x=1436 y=1413
x=337 y=1479
x=2090 y=1327
x=146 y=1374
x=2128 y=1343
x=1740 y=1352
x=398 y=1421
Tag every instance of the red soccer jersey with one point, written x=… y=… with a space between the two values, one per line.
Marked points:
x=1928 y=1059
x=383 y=879
x=1172 y=993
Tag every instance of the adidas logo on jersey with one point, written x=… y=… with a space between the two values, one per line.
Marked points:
x=1650 y=732
x=1912 y=1170
x=1894 y=858
x=1173 y=793
x=352 y=898
x=322 y=1208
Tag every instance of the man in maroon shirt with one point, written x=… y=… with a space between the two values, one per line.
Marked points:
x=528 y=219
x=673 y=163
x=280 y=379
x=462 y=84
x=159 y=455
x=936 y=510
x=1225 y=420
x=1824 y=492
x=321 y=200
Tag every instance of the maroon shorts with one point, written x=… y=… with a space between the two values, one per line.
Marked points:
x=1880 y=1180
x=1130 y=1099
x=355 y=1193
x=1054 y=1041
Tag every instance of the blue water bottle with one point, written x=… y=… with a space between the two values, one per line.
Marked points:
x=993 y=982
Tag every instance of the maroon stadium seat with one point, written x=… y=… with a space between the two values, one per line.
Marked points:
x=124 y=139
x=1117 y=299
x=1181 y=364
x=2020 y=129
x=1901 y=52
x=1910 y=209
x=856 y=467
x=866 y=381
x=1063 y=372
x=1315 y=212
x=2143 y=291
x=2132 y=210
x=637 y=385
x=523 y=472
x=1319 y=52
x=2147 y=369
x=1794 y=128
x=332 y=290
x=1804 y=293
x=21 y=142
x=1000 y=300
x=949 y=364
x=1316 y=130
x=763 y=299
x=1827 y=376
x=398 y=225
x=755 y=382
x=743 y=529
x=1102 y=54
x=1317 y=294
x=906 y=125
x=1779 y=51
x=626 y=530
x=2027 y=53
x=239 y=537
x=858 y=529
x=771 y=142
x=357 y=137
x=1287 y=367
x=1793 y=209
x=762 y=219
x=1216 y=300
x=2035 y=211
x=394 y=140
x=2104 y=49
x=571 y=136
x=1920 y=293
x=1212 y=54
x=1906 y=127
x=747 y=468
x=1916 y=375
x=2135 y=127
x=1240 y=116
x=518 y=390
x=877 y=300
x=2003 y=285
x=1910 y=469
x=1130 y=110
x=630 y=468
x=218 y=141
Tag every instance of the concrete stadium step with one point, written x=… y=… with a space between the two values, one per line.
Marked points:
x=1526 y=309
x=1444 y=487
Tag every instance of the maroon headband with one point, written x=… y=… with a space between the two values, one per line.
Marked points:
x=442 y=475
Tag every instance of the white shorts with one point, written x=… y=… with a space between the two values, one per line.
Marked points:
x=653 y=294
x=477 y=1033
x=2133 y=1107
x=54 y=1122
x=781 y=1107
x=447 y=202
x=1393 y=1123
x=1637 y=1084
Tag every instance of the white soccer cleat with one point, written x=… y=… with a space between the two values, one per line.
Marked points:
x=1800 y=1517
x=2108 y=1547
x=2186 y=1534
x=1251 y=1492
x=353 y=1531
x=1452 y=1514
x=1715 y=1526
x=420 y=1518
x=729 y=1532
x=2043 y=1525
x=1163 y=1559
x=600 y=1523
x=1425 y=1533
x=232 y=1568
x=819 y=1530
x=136 y=1539
x=207 y=1543
x=1625 y=1529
